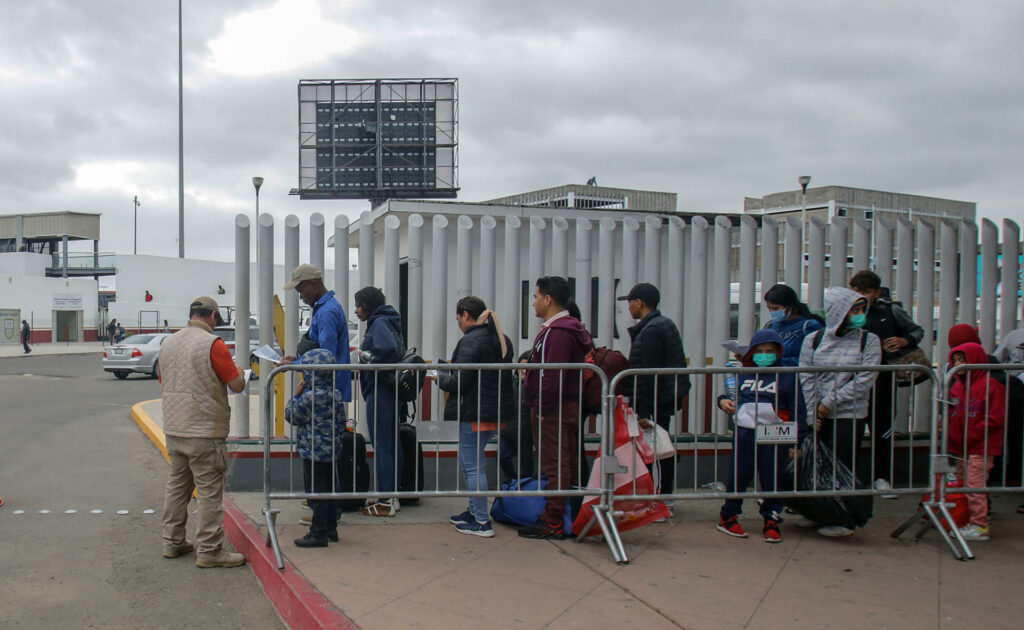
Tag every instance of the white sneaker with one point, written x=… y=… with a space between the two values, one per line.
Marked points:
x=803 y=521
x=974 y=532
x=882 y=485
x=835 y=531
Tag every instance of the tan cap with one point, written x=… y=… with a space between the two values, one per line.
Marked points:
x=303 y=272
x=207 y=303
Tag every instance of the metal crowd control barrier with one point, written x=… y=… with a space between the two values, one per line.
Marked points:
x=706 y=438
x=609 y=465
x=1009 y=470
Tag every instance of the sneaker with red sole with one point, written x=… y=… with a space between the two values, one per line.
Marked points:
x=542 y=529
x=732 y=527
x=771 y=531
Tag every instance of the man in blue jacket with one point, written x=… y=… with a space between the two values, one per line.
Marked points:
x=328 y=328
x=382 y=343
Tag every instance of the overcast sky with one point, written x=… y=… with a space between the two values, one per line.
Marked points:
x=714 y=101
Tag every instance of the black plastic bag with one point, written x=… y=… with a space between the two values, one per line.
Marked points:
x=847 y=511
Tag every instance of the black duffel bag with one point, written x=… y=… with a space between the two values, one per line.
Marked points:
x=847 y=511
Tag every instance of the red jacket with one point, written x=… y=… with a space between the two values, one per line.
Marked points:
x=980 y=404
x=564 y=340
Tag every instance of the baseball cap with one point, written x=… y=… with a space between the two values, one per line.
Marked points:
x=206 y=303
x=643 y=291
x=303 y=272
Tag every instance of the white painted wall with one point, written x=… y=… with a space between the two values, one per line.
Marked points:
x=34 y=296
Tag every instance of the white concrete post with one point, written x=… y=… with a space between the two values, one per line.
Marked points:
x=904 y=290
x=511 y=308
x=769 y=261
x=486 y=292
x=560 y=247
x=883 y=250
x=464 y=257
x=439 y=287
x=415 y=303
x=925 y=314
x=606 y=282
x=316 y=241
x=816 y=264
x=838 y=234
x=793 y=255
x=240 y=410
x=861 y=244
x=968 y=272
x=720 y=292
x=366 y=261
x=989 y=279
x=748 y=273
x=696 y=319
x=584 y=272
x=652 y=251
x=948 y=277
x=392 y=226
x=265 y=282
x=1010 y=268
x=630 y=273
x=536 y=264
x=291 y=298
x=675 y=277
x=341 y=264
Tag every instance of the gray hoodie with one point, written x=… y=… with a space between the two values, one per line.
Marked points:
x=1011 y=350
x=847 y=394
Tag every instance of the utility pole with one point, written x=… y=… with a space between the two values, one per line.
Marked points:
x=135 y=241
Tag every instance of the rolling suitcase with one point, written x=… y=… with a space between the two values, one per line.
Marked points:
x=412 y=463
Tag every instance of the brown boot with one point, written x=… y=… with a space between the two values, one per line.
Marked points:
x=222 y=558
x=180 y=550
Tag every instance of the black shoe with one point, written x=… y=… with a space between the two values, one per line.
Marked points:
x=542 y=529
x=309 y=540
x=332 y=535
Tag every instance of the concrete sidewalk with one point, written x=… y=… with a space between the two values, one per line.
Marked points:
x=416 y=571
x=77 y=347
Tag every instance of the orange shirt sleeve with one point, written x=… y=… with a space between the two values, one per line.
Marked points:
x=222 y=362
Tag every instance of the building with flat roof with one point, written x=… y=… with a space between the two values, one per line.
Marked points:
x=826 y=202
x=584 y=196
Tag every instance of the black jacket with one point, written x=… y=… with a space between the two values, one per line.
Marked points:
x=887 y=318
x=488 y=396
x=656 y=344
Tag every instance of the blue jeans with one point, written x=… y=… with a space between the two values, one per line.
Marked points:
x=387 y=449
x=742 y=470
x=474 y=466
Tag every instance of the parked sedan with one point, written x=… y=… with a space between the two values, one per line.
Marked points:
x=138 y=353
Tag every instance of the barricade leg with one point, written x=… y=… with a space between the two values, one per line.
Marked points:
x=272 y=540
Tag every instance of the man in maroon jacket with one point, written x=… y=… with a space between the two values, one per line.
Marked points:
x=554 y=396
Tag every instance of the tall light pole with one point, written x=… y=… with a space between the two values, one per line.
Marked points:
x=135 y=240
x=803 y=180
x=181 y=150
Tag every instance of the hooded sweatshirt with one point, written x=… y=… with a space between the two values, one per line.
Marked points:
x=318 y=413
x=1011 y=350
x=563 y=340
x=384 y=341
x=793 y=331
x=846 y=394
x=767 y=398
x=978 y=401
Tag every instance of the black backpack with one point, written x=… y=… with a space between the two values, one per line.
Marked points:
x=409 y=382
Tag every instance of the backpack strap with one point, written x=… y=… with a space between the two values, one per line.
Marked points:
x=863 y=340
x=816 y=339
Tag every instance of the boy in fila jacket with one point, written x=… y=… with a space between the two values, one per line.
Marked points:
x=762 y=399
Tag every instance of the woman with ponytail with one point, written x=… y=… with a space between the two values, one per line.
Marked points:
x=791 y=319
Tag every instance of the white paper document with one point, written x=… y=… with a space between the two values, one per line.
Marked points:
x=735 y=347
x=268 y=353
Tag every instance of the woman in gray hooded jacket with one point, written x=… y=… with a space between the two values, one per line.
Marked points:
x=839 y=402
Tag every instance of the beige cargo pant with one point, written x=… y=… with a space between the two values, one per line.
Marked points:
x=198 y=463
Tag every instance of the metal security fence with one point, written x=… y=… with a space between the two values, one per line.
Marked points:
x=843 y=454
x=388 y=383
x=990 y=427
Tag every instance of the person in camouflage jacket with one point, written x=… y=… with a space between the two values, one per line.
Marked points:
x=318 y=415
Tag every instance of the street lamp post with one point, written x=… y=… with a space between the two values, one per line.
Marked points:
x=135 y=240
x=803 y=180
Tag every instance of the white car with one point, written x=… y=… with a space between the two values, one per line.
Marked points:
x=138 y=353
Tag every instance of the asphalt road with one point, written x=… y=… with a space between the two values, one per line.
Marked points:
x=68 y=442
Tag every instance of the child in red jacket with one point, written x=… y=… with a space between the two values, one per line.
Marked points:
x=975 y=431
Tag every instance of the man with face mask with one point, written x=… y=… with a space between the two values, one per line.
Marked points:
x=840 y=401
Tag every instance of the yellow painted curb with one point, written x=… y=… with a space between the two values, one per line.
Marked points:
x=152 y=431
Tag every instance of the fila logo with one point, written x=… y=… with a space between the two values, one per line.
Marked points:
x=759 y=386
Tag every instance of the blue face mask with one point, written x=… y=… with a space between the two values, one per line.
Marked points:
x=763 y=359
x=858 y=321
x=777 y=316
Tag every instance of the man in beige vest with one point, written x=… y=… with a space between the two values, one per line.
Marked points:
x=195 y=366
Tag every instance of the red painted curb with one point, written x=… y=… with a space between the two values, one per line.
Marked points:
x=298 y=602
